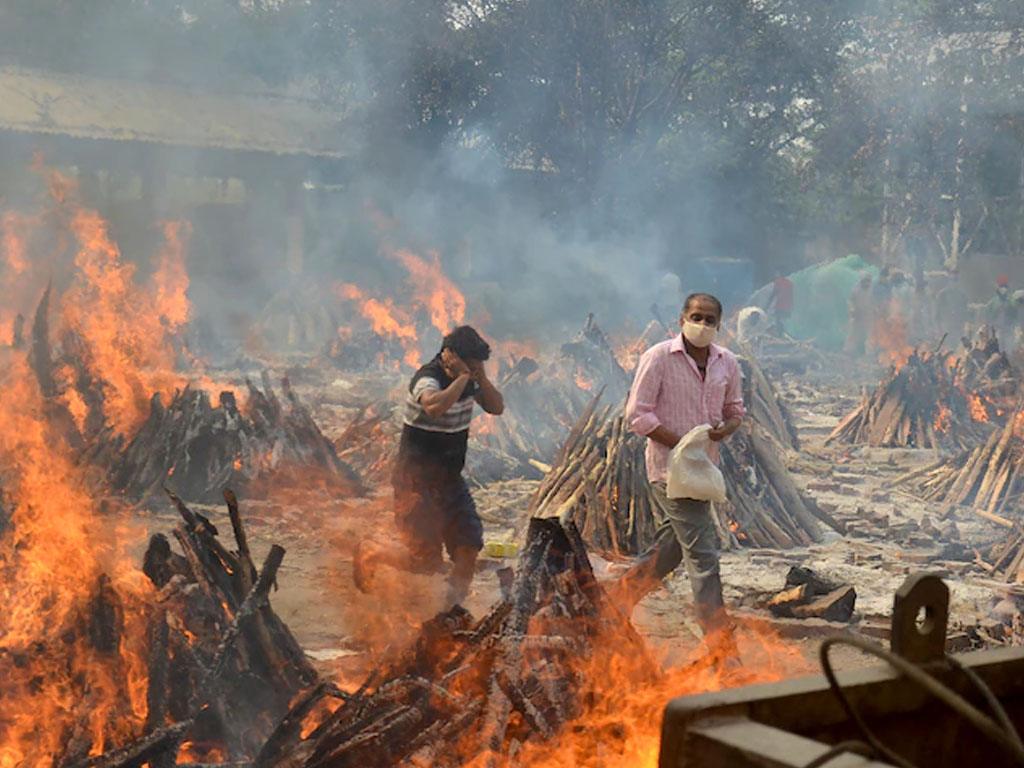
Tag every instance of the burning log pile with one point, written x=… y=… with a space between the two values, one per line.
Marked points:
x=540 y=406
x=468 y=688
x=369 y=442
x=362 y=350
x=922 y=404
x=987 y=477
x=983 y=367
x=220 y=668
x=599 y=481
x=198 y=449
x=590 y=359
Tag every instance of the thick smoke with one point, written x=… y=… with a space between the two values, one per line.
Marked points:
x=775 y=151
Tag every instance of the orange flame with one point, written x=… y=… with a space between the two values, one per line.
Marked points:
x=943 y=419
x=126 y=342
x=60 y=558
x=385 y=319
x=170 y=280
x=976 y=407
x=889 y=335
x=433 y=289
x=583 y=382
x=623 y=724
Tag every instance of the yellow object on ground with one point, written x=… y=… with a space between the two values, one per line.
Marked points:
x=501 y=549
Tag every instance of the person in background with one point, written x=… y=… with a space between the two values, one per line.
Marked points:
x=781 y=302
x=861 y=306
x=680 y=384
x=1001 y=314
x=433 y=505
x=951 y=308
x=751 y=322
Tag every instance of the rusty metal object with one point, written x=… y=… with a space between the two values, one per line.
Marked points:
x=920 y=613
x=789 y=724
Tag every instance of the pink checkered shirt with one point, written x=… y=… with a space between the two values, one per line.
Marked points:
x=668 y=391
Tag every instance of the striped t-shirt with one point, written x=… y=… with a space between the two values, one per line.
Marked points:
x=455 y=419
x=432 y=449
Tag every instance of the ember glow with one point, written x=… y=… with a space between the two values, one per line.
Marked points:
x=73 y=632
x=976 y=407
x=623 y=724
x=889 y=336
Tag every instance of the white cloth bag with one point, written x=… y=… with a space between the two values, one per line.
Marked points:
x=691 y=473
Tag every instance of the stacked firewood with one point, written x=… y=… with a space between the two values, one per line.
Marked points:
x=590 y=358
x=540 y=406
x=369 y=442
x=198 y=449
x=764 y=405
x=222 y=666
x=599 y=481
x=987 y=477
x=468 y=688
x=983 y=367
x=1005 y=559
x=922 y=404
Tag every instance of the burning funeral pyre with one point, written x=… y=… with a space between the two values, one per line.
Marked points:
x=198 y=449
x=924 y=402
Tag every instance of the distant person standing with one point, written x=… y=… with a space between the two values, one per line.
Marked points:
x=1000 y=313
x=781 y=302
x=951 y=307
x=861 y=307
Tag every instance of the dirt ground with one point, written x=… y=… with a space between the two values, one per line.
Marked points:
x=891 y=534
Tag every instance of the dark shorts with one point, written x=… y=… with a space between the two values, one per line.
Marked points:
x=441 y=514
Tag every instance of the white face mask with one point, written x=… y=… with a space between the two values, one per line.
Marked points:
x=698 y=334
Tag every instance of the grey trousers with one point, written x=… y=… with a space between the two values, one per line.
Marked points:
x=687 y=535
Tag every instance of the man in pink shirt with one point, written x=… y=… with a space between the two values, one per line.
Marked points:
x=680 y=384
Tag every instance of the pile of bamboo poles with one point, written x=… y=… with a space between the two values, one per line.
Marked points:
x=1007 y=555
x=920 y=405
x=987 y=477
x=599 y=480
x=764 y=405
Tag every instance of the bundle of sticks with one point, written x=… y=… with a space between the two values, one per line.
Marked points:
x=764 y=405
x=599 y=480
x=197 y=449
x=540 y=406
x=920 y=405
x=590 y=357
x=1005 y=558
x=468 y=688
x=369 y=441
x=222 y=666
x=987 y=477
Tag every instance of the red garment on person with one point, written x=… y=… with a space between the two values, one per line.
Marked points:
x=783 y=294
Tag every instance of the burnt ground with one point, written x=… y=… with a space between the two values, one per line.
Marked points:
x=892 y=534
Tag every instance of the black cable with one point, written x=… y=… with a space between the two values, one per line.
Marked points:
x=1003 y=732
x=842 y=748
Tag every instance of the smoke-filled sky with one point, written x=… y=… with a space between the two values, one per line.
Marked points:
x=561 y=157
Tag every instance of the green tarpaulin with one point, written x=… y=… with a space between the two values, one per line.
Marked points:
x=820 y=294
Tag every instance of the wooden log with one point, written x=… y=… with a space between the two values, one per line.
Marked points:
x=783 y=485
x=835 y=606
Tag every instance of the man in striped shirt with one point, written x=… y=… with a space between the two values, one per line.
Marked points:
x=433 y=506
x=681 y=384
